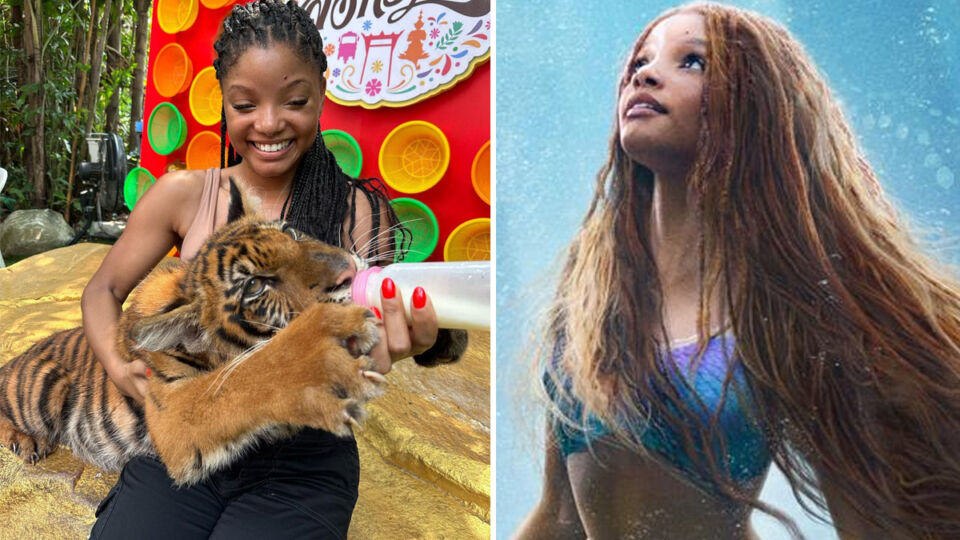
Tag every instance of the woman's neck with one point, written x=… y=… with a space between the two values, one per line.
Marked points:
x=270 y=193
x=674 y=238
x=263 y=186
x=674 y=230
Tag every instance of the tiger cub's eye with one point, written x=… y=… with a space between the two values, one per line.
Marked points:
x=255 y=286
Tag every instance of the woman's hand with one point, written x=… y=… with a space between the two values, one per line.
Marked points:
x=397 y=339
x=130 y=378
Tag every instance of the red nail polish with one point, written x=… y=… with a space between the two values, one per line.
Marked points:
x=148 y=372
x=377 y=312
x=388 y=289
x=419 y=298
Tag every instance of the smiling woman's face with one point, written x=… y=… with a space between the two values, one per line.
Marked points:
x=272 y=100
x=659 y=106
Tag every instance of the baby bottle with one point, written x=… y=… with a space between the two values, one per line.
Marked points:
x=460 y=291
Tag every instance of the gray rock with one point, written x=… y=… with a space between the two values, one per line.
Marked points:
x=28 y=232
x=106 y=229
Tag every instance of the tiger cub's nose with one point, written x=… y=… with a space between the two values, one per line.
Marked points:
x=346 y=277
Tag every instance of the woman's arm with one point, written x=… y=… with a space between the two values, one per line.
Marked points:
x=152 y=229
x=556 y=515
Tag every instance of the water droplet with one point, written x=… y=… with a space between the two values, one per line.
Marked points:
x=884 y=121
x=923 y=137
x=932 y=160
x=823 y=283
x=902 y=131
x=945 y=177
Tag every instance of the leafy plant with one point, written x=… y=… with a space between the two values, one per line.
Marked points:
x=63 y=35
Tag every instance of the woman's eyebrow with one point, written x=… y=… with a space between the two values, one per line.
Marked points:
x=288 y=85
x=689 y=41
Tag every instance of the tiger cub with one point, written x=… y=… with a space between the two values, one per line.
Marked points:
x=245 y=342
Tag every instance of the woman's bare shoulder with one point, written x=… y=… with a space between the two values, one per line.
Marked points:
x=177 y=195
x=184 y=183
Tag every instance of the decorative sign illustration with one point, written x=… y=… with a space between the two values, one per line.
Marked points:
x=395 y=53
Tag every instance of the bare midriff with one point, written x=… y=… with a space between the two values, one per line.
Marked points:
x=623 y=494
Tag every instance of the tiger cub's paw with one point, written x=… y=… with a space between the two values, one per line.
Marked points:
x=365 y=338
x=335 y=373
x=336 y=410
x=359 y=345
x=24 y=446
x=351 y=383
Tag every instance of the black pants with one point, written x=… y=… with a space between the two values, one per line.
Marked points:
x=305 y=487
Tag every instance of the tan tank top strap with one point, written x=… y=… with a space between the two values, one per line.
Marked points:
x=203 y=223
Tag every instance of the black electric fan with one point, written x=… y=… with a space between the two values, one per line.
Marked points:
x=101 y=178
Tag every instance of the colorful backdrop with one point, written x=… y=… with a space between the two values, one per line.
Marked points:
x=387 y=67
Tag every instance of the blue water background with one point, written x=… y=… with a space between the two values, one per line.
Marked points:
x=893 y=64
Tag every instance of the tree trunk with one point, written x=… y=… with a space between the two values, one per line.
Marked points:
x=81 y=89
x=12 y=37
x=18 y=40
x=80 y=40
x=114 y=62
x=33 y=66
x=142 y=32
x=96 y=68
x=84 y=74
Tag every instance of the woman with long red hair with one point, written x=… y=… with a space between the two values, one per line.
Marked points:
x=742 y=292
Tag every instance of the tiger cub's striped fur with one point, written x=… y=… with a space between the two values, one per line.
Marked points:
x=246 y=342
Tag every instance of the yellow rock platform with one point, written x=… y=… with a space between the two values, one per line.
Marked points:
x=424 y=450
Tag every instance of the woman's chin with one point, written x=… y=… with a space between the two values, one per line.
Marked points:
x=272 y=168
x=658 y=157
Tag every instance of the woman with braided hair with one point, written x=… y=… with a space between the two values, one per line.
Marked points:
x=270 y=65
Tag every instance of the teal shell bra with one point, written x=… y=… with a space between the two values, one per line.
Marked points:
x=746 y=456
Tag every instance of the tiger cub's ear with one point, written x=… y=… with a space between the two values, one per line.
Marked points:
x=179 y=326
x=240 y=204
x=237 y=206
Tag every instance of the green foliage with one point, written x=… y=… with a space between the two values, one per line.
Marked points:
x=12 y=104
x=65 y=25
